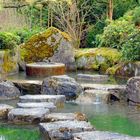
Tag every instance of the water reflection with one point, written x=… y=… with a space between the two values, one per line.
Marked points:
x=110 y=117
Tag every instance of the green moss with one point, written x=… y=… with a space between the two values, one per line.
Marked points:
x=8 y=64
x=103 y=57
x=39 y=47
x=112 y=70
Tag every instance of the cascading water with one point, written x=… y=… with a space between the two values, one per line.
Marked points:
x=98 y=99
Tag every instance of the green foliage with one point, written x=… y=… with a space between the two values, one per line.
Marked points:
x=136 y=16
x=119 y=30
x=8 y=40
x=38 y=15
x=131 y=48
x=116 y=33
x=93 y=31
x=122 y=6
x=26 y=34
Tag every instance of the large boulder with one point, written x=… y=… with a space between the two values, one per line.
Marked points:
x=8 y=90
x=61 y=85
x=133 y=90
x=96 y=58
x=28 y=86
x=128 y=69
x=52 y=45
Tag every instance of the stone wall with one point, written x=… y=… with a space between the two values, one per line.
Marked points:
x=9 y=18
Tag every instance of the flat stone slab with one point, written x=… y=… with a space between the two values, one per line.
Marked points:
x=63 y=130
x=56 y=99
x=33 y=115
x=93 y=97
x=65 y=116
x=100 y=135
x=94 y=78
x=4 y=109
x=47 y=105
x=28 y=86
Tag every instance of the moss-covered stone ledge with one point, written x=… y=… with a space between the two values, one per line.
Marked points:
x=125 y=69
x=97 y=58
x=8 y=62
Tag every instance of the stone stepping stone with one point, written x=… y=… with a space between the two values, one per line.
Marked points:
x=29 y=116
x=65 y=116
x=28 y=86
x=58 y=100
x=93 y=97
x=63 y=130
x=100 y=135
x=4 y=109
x=47 y=105
x=93 y=78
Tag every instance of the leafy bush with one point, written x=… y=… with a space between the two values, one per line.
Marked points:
x=136 y=16
x=25 y=34
x=8 y=40
x=116 y=33
x=93 y=31
x=131 y=48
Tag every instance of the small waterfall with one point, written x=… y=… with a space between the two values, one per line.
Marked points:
x=98 y=99
x=2 y=138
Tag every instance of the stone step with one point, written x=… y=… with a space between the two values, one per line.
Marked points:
x=48 y=105
x=4 y=109
x=28 y=86
x=100 y=135
x=27 y=116
x=93 y=78
x=63 y=130
x=58 y=100
x=93 y=97
x=65 y=116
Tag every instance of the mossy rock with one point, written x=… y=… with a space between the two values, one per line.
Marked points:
x=97 y=58
x=8 y=62
x=125 y=69
x=51 y=44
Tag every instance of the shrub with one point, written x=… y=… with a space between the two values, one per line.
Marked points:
x=136 y=16
x=116 y=33
x=26 y=34
x=8 y=40
x=93 y=31
x=131 y=48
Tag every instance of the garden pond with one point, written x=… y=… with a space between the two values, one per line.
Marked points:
x=114 y=117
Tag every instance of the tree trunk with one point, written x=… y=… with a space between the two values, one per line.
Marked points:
x=110 y=9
